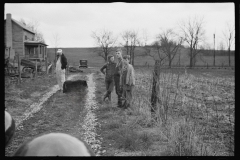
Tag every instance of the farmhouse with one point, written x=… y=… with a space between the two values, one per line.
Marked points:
x=20 y=40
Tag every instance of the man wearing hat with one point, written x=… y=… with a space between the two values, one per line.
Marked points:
x=109 y=76
x=60 y=68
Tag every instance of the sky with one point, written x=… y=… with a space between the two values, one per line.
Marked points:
x=75 y=22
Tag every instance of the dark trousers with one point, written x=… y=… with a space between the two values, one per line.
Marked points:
x=109 y=87
x=127 y=95
x=118 y=88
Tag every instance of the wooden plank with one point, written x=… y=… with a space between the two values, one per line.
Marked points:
x=19 y=70
x=36 y=69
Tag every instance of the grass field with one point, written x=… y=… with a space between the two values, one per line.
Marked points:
x=195 y=116
x=75 y=54
x=195 y=113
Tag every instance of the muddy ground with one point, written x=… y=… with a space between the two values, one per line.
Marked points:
x=60 y=113
x=109 y=130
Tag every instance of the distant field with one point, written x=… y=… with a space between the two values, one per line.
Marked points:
x=75 y=54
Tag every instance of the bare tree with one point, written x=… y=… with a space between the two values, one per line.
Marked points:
x=144 y=37
x=169 y=45
x=155 y=52
x=221 y=48
x=229 y=37
x=193 y=34
x=33 y=25
x=144 y=44
x=126 y=39
x=105 y=40
x=131 y=41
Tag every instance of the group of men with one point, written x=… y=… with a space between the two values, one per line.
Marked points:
x=121 y=75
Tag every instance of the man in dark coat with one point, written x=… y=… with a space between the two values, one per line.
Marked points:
x=117 y=74
x=109 y=76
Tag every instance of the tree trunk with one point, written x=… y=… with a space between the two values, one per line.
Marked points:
x=170 y=63
x=229 y=57
x=55 y=55
x=133 y=58
x=105 y=57
x=179 y=60
x=191 y=59
x=214 y=58
x=105 y=54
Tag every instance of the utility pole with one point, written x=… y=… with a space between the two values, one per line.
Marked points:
x=214 y=50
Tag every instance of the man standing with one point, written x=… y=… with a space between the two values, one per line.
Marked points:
x=60 y=68
x=117 y=75
x=109 y=74
x=127 y=81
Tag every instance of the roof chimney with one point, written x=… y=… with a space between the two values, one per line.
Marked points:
x=9 y=30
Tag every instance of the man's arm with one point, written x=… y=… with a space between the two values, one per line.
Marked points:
x=63 y=61
x=103 y=67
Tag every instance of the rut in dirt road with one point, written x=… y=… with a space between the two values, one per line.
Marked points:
x=56 y=112
x=35 y=107
x=90 y=121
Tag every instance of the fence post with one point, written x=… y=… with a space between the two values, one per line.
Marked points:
x=156 y=73
x=19 y=69
x=36 y=69
x=46 y=63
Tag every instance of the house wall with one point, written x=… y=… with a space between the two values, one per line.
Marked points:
x=29 y=35
x=5 y=37
x=18 y=44
x=8 y=28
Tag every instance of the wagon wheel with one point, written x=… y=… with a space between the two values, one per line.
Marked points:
x=29 y=70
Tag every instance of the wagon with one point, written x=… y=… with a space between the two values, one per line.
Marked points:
x=30 y=64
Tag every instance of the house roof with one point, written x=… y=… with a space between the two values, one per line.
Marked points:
x=34 y=43
x=23 y=26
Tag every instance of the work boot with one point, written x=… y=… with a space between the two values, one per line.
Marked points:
x=106 y=96
x=124 y=105
x=109 y=97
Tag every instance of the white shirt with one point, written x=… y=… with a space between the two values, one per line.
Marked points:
x=58 y=65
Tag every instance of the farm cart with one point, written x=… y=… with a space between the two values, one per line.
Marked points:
x=30 y=66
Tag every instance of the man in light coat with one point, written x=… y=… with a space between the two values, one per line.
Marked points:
x=127 y=81
x=61 y=65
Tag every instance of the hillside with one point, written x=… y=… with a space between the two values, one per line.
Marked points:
x=75 y=54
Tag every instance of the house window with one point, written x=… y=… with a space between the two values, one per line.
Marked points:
x=25 y=37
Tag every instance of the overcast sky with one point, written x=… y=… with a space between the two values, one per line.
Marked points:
x=74 y=22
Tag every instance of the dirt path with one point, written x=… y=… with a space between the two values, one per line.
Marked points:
x=71 y=113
